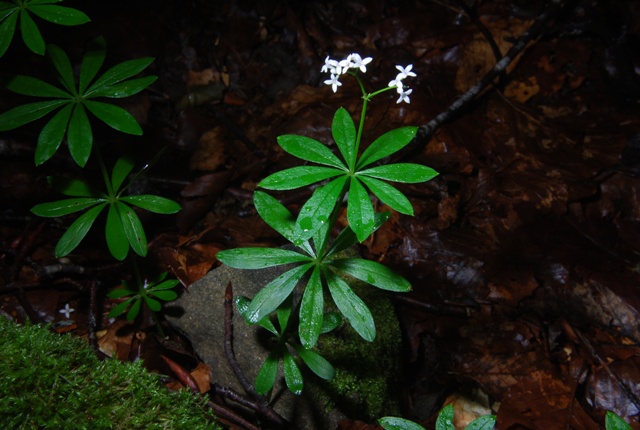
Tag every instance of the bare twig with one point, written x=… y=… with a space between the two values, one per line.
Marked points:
x=425 y=131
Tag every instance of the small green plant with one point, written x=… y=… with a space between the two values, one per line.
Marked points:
x=148 y=292
x=320 y=262
x=293 y=378
x=21 y=10
x=123 y=228
x=73 y=101
x=443 y=422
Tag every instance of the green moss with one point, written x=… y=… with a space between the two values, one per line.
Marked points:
x=52 y=381
x=366 y=385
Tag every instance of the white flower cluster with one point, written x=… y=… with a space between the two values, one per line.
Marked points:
x=403 y=92
x=355 y=61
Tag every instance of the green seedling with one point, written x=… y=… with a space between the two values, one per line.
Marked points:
x=21 y=10
x=612 y=421
x=443 y=422
x=74 y=100
x=148 y=292
x=123 y=227
x=319 y=263
x=284 y=344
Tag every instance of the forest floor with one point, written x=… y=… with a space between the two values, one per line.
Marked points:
x=523 y=253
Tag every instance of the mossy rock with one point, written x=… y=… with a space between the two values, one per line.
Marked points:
x=55 y=381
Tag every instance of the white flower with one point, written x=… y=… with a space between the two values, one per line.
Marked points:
x=358 y=62
x=397 y=82
x=66 y=311
x=333 y=82
x=331 y=66
x=345 y=65
x=404 y=96
x=405 y=71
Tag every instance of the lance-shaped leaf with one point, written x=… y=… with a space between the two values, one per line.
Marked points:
x=79 y=136
x=389 y=195
x=133 y=229
x=77 y=231
x=121 y=169
x=385 y=145
x=445 y=418
x=317 y=210
x=64 y=207
x=344 y=134
x=52 y=134
x=30 y=33
x=114 y=116
x=274 y=293
x=275 y=214
x=372 y=273
x=310 y=150
x=30 y=86
x=259 y=258
x=23 y=114
x=395 y=423
x=360 y=212
x=351 y=306
x=119 y=73
x=311 y=311
x=401 y=172
x=8 y=21
x=242 y=303
x=268 y=372
x=116 y=237
x=63 y=66
x=317 y=363
x=124 y=89
x=347 y=237
x=59 y=14
x=91 y=63
x=486 y=422
x=72 y=187
x=297 y=177
x=156 y=204
x=292 y=375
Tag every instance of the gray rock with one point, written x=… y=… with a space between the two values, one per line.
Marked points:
x=322 y=404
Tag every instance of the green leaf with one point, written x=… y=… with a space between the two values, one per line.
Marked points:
x=133 y=229
x=614 y=422
x=119 y=293
x=309 y=149
x=317 y=363
x=390 y=142
x=35 y=2
x=311 y=311
x=445 y=418
x=30 y=86
x=344 y=134
x=292 y=375
x=165 y=295
x=360 y=212
x=91 y=62
x=119 y=73
x=317 y=210
x=388 y=195
x=275 y=214
x=120 y=308
x=30 y=33
x=372 y=273
x=486 y=422
x=297 y=177
x=120 y=171
x=268 y=372
x=401 y=172
x=80 y=136
x=347 y=237
x=283 y=312
x=242 y=303
x=63 y=67
x=52 y=134
x=259 y=258
x=166 y=285
x=7 y=29
x=124 y=89
x=26 y=113
x=77 y=231
x=274 y=293
x=64 y=207
x=72 y=187
x=114 y=116
x=351 y=306
x=59 y=14
x=152 y=203
x=395 y=423
x=116 y=237
x=135 y=310
x=153 y=304
x=330 y=321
